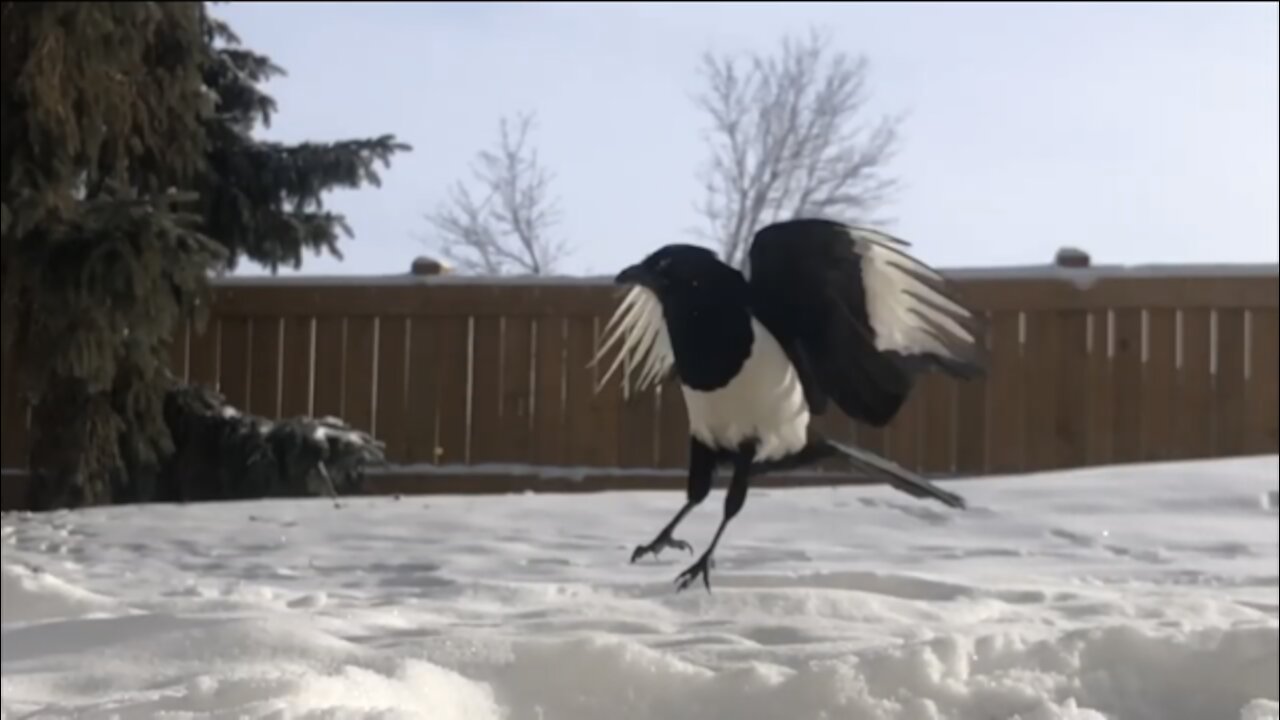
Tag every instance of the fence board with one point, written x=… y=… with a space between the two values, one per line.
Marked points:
x=1072 y=390
x=358 y=378
x=264 y=366
x=580 y=397
x=549 y=432
x=1193 y=423
x=390 y=417
x=517 y=390
x=1006 y=431
x=971 y=419
x=937 y=424
x=486 y=397
x=1160 y=386
x=1100 y=436
x=1126 y=396
x=1229 y=399
x=423 y=393
x=296 y=365
x=1262 y=390
x=330 y=342
x=452 y=345
x=1040 y=389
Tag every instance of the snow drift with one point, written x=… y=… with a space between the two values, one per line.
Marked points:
x=1143 y=593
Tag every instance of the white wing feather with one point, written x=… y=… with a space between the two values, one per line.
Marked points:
x=905 y=313
x=646 y=346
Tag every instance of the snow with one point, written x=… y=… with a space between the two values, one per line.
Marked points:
x=1145 y=592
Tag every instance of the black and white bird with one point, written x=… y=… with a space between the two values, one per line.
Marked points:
x=827 y=313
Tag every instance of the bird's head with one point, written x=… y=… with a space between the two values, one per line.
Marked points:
x=680 y=271
x=670 y=293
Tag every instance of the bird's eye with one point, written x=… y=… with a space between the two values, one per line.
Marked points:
x=663 y=263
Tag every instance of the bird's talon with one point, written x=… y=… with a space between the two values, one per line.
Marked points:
x=656 y=547
x=701 y=567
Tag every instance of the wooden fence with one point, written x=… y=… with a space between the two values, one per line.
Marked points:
x=1090 y=366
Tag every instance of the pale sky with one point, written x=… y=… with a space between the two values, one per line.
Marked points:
x=1144 y=133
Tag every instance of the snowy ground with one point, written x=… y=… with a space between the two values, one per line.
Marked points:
x=1144 y=593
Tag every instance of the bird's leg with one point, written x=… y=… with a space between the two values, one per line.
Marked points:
x=664 y=539
x=701 y=470
x=733 y=502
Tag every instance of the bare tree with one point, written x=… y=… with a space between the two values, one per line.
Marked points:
x=504 y=227
x=788 y=138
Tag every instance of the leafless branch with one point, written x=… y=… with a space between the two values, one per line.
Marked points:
x=504 y=227
x=788 y=138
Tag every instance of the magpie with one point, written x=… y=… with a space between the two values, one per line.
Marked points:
x=825 y=313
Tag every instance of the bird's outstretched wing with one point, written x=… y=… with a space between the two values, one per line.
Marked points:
x=858 y=315
x=646 y=352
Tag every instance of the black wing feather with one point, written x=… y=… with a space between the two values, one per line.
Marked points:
x=809 y=281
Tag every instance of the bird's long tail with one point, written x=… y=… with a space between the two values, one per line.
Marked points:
x=900 y=478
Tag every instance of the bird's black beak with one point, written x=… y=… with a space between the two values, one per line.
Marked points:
x=634 y=275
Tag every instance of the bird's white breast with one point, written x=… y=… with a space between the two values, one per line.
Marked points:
x=763 y=402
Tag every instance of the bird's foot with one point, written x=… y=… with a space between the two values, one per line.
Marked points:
x=659 y=544
x=700 y=568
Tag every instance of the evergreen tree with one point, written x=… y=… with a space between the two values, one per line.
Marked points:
x=129 y=175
